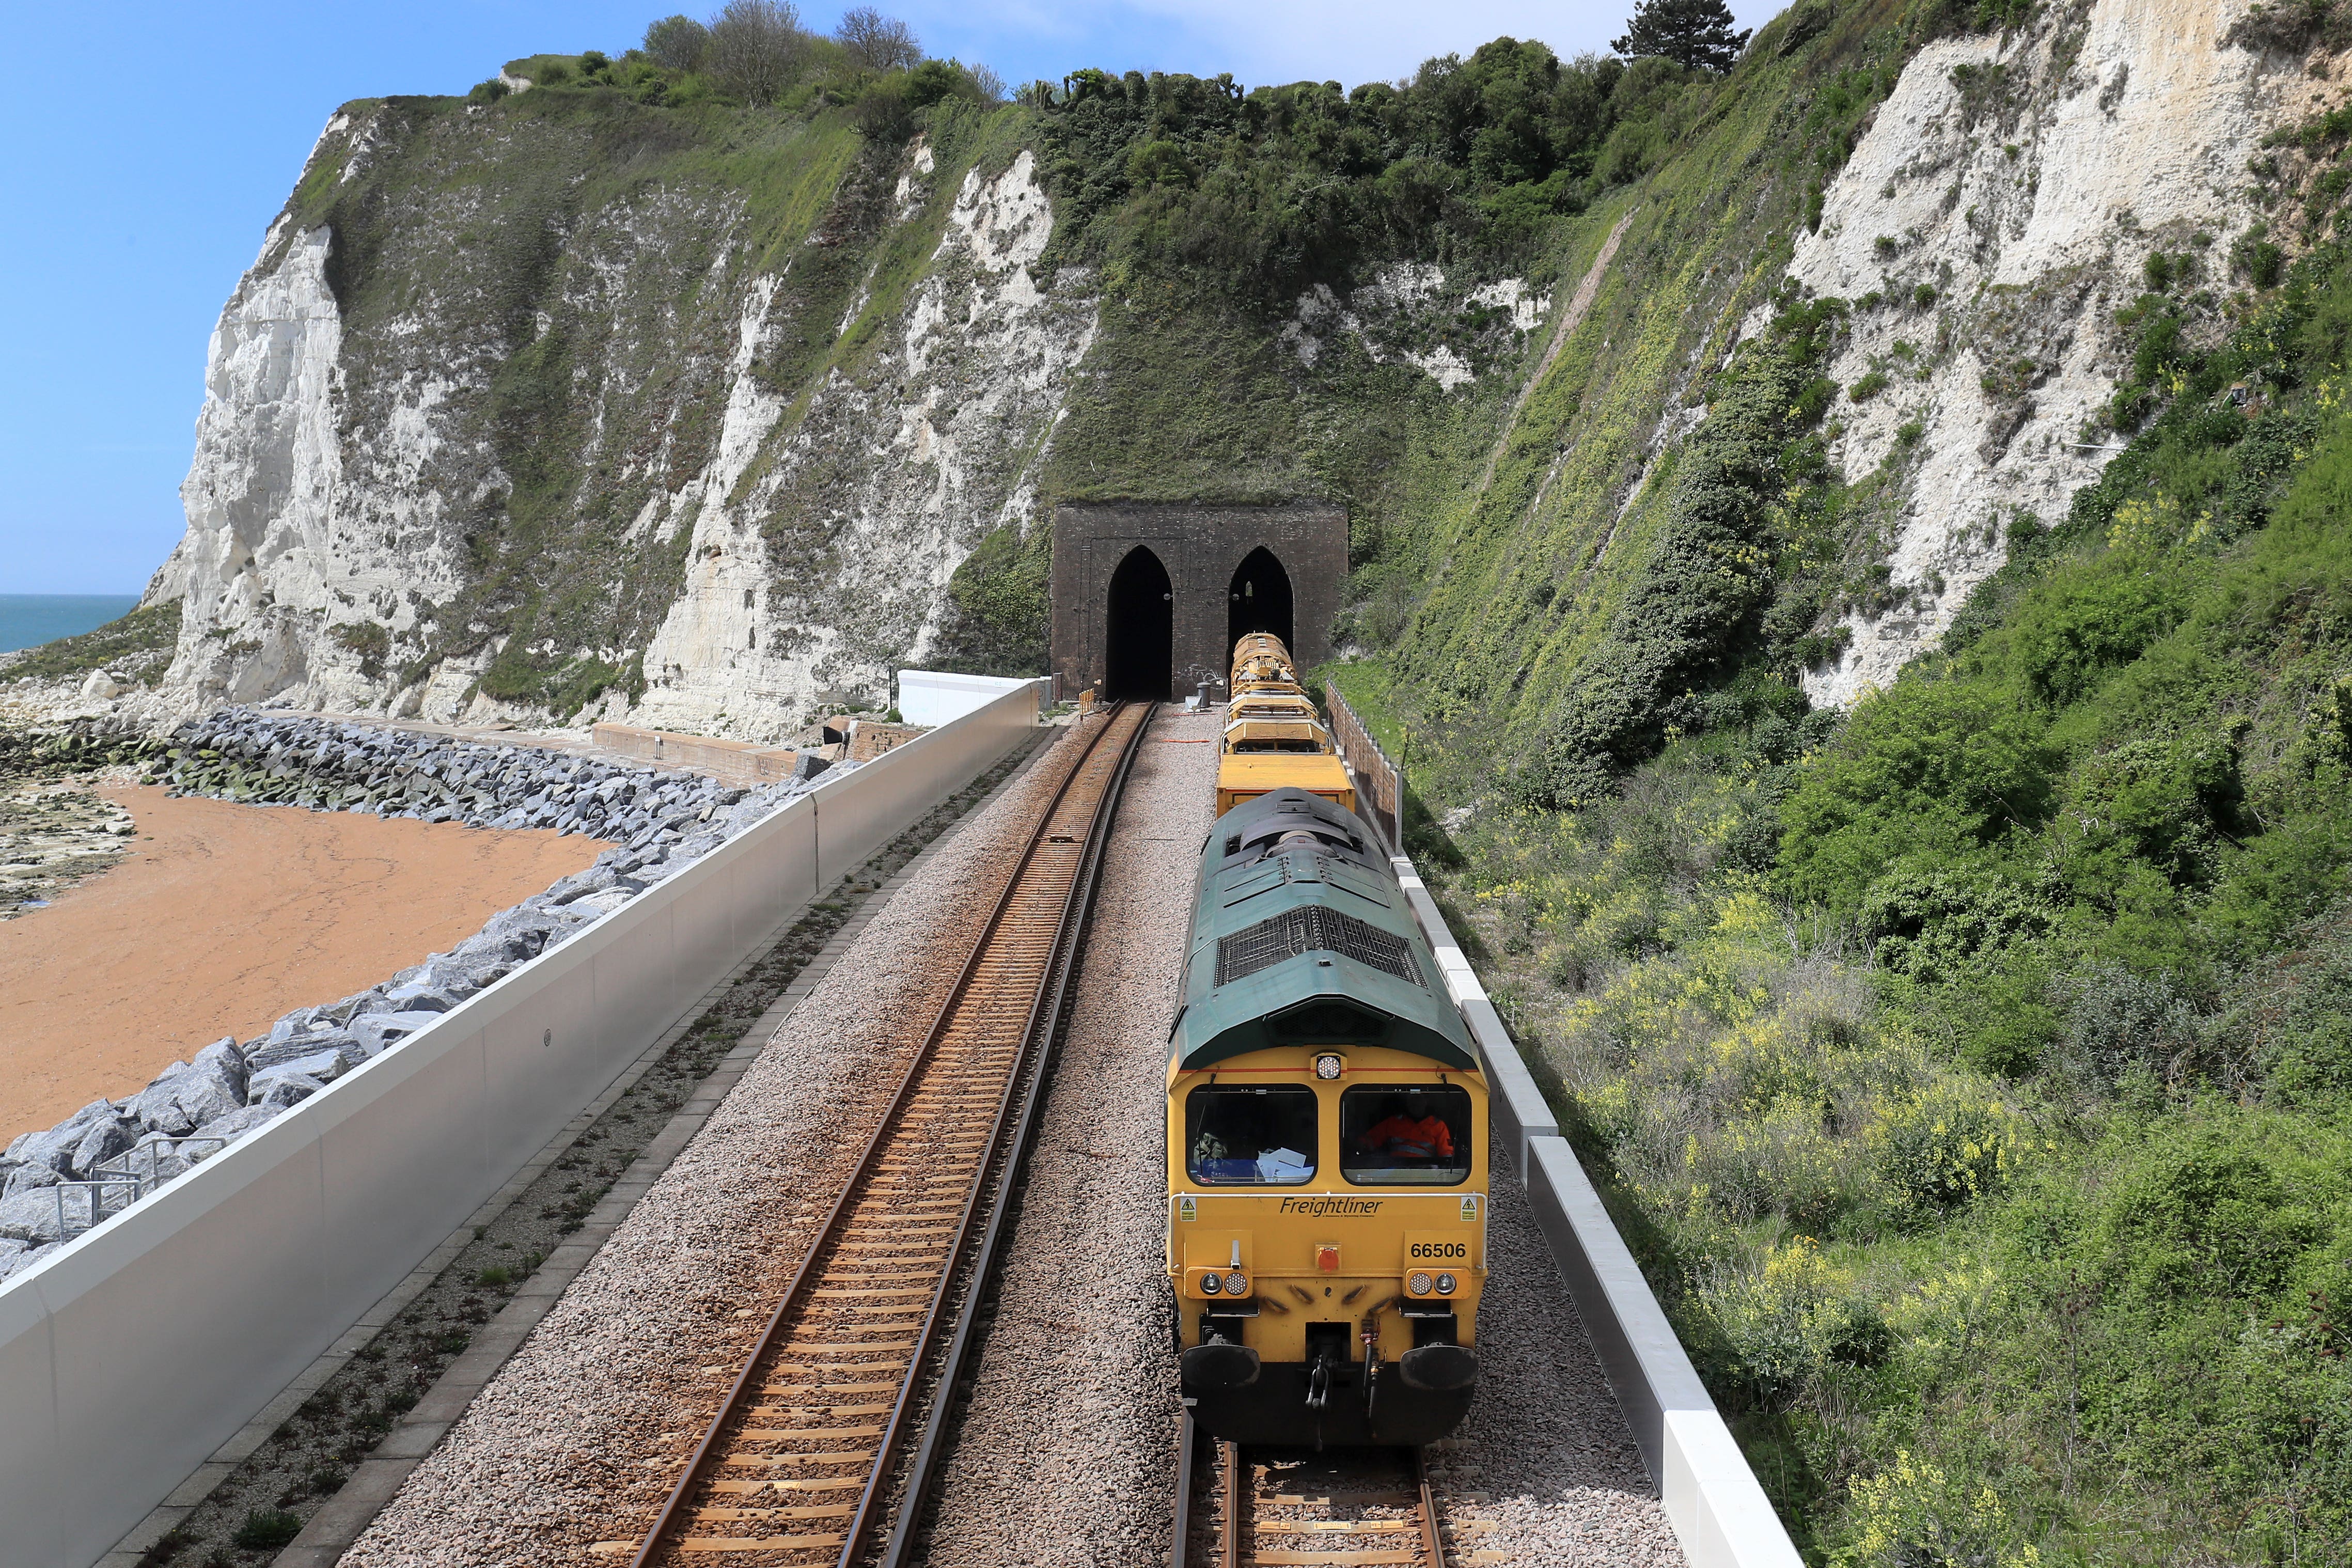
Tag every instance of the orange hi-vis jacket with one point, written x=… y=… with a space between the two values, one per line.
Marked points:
x=1402 y=1136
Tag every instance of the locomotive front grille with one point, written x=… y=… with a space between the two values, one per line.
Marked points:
x=1314 y=929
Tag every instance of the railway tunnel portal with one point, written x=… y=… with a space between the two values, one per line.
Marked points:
x=1149 y=598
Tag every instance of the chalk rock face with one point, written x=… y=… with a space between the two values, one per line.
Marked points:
x=752 y=464
x=261 y=494
x=948 y=435
x=2020 y=181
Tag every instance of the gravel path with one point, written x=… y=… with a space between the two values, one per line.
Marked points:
x=576 y=1439
x=1066 y=1449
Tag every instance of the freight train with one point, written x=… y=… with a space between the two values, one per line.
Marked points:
x=1273 y=735
x=1326 y=1131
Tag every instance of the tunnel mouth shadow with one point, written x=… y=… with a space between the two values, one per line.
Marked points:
x=1259 y=599
x=1140 y=627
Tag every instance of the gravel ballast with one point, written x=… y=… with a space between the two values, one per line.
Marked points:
x=576 y=1439
x=1065 y=1452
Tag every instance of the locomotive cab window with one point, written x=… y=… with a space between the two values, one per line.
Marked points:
x=1405 y=1135
x=1242 y=1135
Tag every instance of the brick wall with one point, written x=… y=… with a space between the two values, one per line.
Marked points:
x=1202 y=547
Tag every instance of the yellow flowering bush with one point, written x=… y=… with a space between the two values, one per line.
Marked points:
x=1914 y=1513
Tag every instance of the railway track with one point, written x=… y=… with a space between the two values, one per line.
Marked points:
x=1286 y=1508
x=809 y=1457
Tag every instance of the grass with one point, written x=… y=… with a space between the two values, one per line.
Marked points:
x=138 y=646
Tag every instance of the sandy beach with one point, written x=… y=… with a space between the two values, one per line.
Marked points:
x=223 y=918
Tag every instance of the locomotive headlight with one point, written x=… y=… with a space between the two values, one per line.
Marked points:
x=1329 y=1066
x=1236 y=1284
x=1211 y=1285
x=1418 y=1284
x=1445 y=1284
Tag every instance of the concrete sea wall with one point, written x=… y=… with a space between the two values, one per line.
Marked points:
x=130 y=1353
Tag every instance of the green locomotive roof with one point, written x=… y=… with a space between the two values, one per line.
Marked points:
x=1301 y=936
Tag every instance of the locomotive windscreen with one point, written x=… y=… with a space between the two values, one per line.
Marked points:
x=1238 y=1135
x=1405 y=1134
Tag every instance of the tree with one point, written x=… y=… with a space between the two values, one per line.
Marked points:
x=757 y=47
x=678 y=43
x=876 y=42
x=1695 y=32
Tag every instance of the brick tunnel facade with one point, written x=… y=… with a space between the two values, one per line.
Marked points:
x=1149 y=598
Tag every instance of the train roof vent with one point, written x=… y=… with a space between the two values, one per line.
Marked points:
x=1311 y=928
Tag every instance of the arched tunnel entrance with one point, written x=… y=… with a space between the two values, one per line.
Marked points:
x=1259 y=599
x=1139 y=629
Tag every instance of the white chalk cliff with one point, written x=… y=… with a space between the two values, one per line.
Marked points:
x=342 y=473
x=2024 y=178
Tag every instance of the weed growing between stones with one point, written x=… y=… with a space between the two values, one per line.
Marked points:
x=310 y=1456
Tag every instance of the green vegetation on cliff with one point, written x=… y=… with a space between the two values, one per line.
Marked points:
x=1972 y=1072
x=137 y=647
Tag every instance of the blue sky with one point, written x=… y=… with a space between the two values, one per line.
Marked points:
x=149 y=153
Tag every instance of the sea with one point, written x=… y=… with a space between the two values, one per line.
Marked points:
x=28 y=620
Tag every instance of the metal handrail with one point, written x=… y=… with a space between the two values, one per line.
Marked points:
x=122 y=1172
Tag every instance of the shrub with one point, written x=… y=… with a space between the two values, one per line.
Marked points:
x=368 y=639
x=757 y=48
x=1869 y=386
x=998 y=602
x=1706 y=584
x=934 y=81
x=1949 y=1146
x=2198 y=1214
x=876 y=42
x=489 y=91
x=678 y=43
x=267 y=1530
x=883 y=113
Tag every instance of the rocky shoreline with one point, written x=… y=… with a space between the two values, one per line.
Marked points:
x=659 y=823
x=54 y=834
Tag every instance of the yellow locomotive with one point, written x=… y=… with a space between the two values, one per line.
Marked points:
x=1273 y=735
x=1327 y=1128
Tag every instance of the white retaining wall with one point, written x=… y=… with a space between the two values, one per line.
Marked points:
x=941 y=697
x=1712 y=1497
x=127 y=1357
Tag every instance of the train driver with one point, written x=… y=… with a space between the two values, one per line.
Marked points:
x=1412 y=1133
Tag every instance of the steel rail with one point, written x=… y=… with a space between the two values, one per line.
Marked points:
x=1423 y=1530
x=1047 y=1015
x=888 y=1132
x=1430 y=1543
x=1179 y=1553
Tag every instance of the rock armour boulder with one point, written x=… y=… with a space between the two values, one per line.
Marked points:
x=664 y=821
